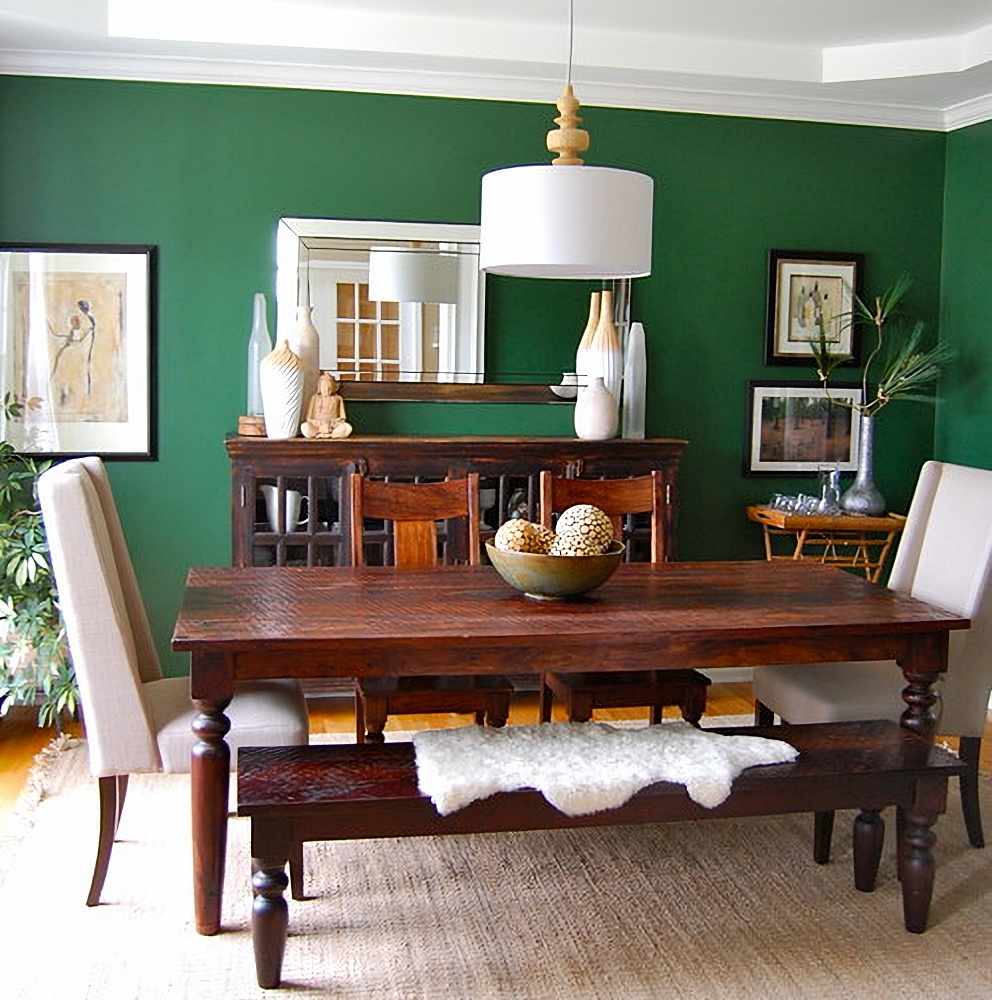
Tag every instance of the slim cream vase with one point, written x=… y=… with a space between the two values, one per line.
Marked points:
x=605 y=356
x=305 y=344
x=585 y=342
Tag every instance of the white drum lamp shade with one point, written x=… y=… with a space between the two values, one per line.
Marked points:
x=566 y=221
x=412 y=276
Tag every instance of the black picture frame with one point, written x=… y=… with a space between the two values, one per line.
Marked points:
x=799 y=427
x=78 y=329
x=808 y=289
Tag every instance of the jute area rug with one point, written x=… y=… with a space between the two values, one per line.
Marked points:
x=728 y=909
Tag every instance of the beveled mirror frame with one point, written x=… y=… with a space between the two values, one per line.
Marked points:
x=292 y=231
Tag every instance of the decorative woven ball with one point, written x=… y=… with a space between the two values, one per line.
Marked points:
x=518 y=535
x=575 y=545
x=545 y=538
x=585 y=526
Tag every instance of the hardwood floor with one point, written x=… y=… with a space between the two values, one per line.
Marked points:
x=20 y=739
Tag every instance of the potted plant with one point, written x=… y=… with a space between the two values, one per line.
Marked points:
x=34 y=658
x=906 y=370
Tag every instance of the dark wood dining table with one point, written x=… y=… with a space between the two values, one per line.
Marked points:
x=309 y=622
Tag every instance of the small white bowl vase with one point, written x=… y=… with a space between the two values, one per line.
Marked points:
x=596 y=415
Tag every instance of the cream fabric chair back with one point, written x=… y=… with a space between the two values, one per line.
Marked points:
x=149 y=667
x=945 y=558
x=106 y=624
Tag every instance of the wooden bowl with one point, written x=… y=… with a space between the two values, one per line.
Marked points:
x=555 y=578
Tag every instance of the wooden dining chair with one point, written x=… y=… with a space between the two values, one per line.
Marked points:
x=413 y=511
x=589 y=690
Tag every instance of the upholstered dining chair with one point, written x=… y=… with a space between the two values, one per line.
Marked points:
x=586 y=691
x=135 y=719
x=944 y=558
x=414 y=510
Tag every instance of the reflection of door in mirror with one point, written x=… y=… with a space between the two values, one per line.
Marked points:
x=403 y=330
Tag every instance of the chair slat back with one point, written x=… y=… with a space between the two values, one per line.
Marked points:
x=614 y=497
x=414 y=510
x=120 y=735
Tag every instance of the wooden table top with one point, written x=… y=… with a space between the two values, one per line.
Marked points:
x=349 y=621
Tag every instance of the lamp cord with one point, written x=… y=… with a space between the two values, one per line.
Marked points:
x=571 y=35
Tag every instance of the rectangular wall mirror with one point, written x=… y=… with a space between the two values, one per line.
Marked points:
x=401 y=312
x=394 y=302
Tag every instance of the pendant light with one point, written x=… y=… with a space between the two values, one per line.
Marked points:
x=566 y=219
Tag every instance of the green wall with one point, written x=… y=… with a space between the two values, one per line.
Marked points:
x=964 y=424
x=205 y=172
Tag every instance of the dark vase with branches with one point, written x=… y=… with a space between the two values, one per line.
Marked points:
x=906 y=369
x=34 y=661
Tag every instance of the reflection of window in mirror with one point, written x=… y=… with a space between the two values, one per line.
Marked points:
x=370 y=340
x=372 y=336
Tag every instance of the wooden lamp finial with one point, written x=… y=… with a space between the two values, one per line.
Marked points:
x=567 y=140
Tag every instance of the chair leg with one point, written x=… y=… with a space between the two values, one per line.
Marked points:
x=359 y=717
x=579 y=707
x=693 y=706
x=112 y=792
x=823 y=831
x=969 y=751
x=657 y=713
x=544 y=705
x=763 y=715
x=497 y=710
x=296 y=869
x=376 y=713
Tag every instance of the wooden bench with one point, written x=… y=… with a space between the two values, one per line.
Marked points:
x=348 y=791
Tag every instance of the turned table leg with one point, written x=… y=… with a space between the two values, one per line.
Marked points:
x=926 y=661
x=210 y=775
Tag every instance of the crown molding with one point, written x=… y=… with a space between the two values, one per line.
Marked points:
x=521 y=82
x=968 y=113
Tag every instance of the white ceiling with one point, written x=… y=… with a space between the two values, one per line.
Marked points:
x=910 y=63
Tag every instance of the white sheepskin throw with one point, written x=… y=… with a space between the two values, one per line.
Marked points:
x=584 y=767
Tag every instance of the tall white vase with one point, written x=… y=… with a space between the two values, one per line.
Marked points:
x=634 y=383
x=281 y=377
x=585 y=342
x=305 y=344
x=596 y=415
x=259 y=345
x=605 y=357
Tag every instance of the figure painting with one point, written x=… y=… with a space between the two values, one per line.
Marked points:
x=82 y=319
x=77 y=348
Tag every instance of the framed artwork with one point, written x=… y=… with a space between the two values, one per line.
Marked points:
x=810 y=292
x=798 y=427
x=77 y=341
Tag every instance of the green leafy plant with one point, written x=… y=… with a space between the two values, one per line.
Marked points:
x=34 y=660
x=907 y=369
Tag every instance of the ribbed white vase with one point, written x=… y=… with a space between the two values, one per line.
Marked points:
x=281 y=378
x=305 y=344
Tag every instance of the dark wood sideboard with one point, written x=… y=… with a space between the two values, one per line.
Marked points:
x=508 y=468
